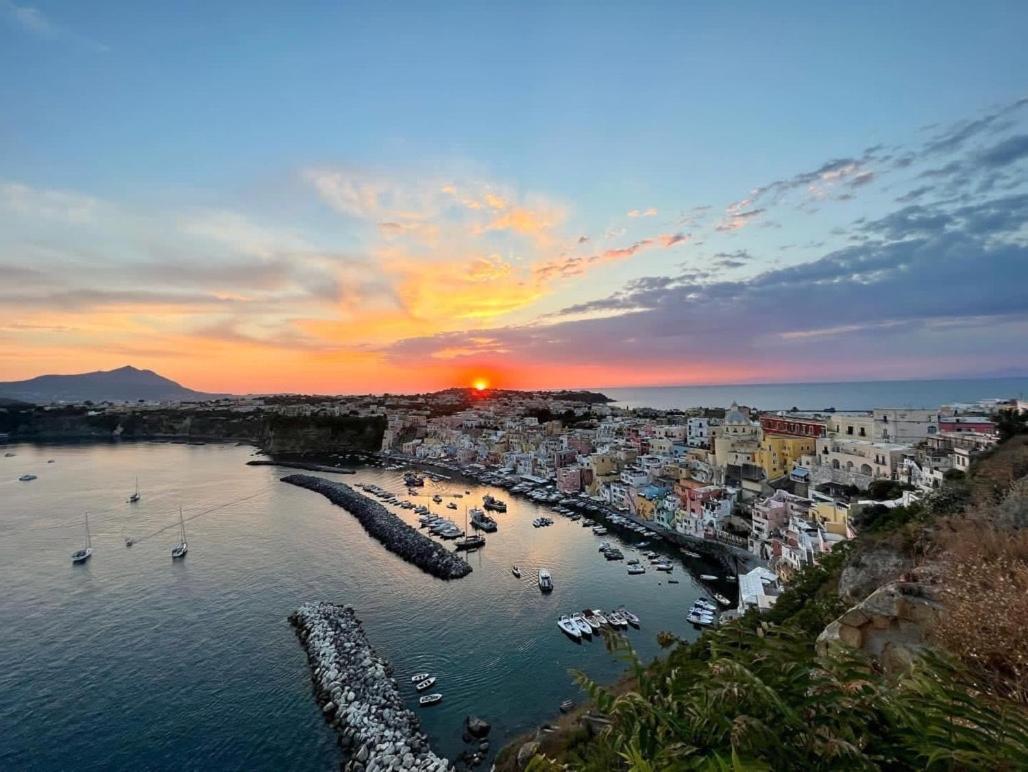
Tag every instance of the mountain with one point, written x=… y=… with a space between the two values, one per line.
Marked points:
x=126 y=384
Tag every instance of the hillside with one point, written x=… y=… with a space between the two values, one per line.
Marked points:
x=904 y=650
x=126 y=384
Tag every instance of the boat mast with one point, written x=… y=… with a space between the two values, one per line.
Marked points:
x=182 y=526
x=89 y=542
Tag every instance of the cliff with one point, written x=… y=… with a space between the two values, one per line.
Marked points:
x=275 y=434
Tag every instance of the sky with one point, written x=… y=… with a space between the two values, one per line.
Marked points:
x=343 y=197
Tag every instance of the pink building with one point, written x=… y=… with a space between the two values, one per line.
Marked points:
x=569 y=479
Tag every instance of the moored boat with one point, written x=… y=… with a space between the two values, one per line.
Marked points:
x=27 y=477
x=430 y=699
x=422 y=685
x=516 y=571
x=583 y=627
x=180 y=549
x=419 y=677
x=545 y=580
x=84 y=554
x=629 y=616
x=569 y=627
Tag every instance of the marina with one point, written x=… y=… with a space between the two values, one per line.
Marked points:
x=257 y=554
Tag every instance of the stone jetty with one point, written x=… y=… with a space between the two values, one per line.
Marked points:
x=359 y=696
x=398 y=537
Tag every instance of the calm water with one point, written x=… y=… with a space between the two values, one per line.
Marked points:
x=133 y=661
x=818 y=396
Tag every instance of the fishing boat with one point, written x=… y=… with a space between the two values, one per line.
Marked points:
x=516 y=571
x=419 y=677
x=430 y=699
x=135 y=496
x=482 y=521
x=545 y=580
x=569 y=627
x=84 y=554
x=27 y=477
x=422 y=685
x=494 y=504
x=180 y=549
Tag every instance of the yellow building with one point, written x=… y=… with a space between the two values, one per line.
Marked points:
x=644 y=508
x=835 y=516
x=778 y=453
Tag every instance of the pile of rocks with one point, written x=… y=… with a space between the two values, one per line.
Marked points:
x=358 y=694
x=407 y=542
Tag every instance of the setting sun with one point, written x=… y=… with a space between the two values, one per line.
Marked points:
x=480 y=384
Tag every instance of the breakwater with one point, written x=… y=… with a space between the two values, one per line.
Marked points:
x=305 y=465
x=358 y=694
x=397 y=537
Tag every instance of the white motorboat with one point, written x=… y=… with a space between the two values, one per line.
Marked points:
x=419 y=677
x=180 y=549
x=664 y=566
x=516 y=571
x=599 y=616
x=704 y=603
x=545 y=580
x=422 y=685
x=599 y=530
x=583 y=627
x=430 y=699
x=636 y=569
x=708 y=577
x=704 y=620
x=616 y=620
x=633 y=620
x=569 y=627
x=722 y=599
x=84 y=554
x=592 y=620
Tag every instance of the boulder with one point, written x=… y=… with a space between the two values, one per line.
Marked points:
x=526 y=752
x=477 y=727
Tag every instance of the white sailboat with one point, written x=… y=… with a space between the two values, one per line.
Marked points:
x=135 y=496
x=180 y=549
x=84 y=554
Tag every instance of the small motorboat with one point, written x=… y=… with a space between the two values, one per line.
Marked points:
x=592 y=620
x=49 y=461
x=708 y=577
x=664 y=566
x=598 y=616
x=27 y=477
x=632 y=619
x=566 y=706
x=569 y=627
x=616 y=620
x=672 y=581
x=451 y=505
x=690 y=553
x=545 y=580
x=704 y=620
x=516 y=571
x=437 y=499
x=636 y=569
x=722 y=599
x=422 y=685
x=430 y=699
x=419 y=677
x=583 y=627
x=129 y=541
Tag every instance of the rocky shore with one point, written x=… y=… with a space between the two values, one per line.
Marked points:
x=397 y=537
x=358 y=694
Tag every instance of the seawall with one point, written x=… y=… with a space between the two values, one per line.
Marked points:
x=358 y=694
x=395 y=535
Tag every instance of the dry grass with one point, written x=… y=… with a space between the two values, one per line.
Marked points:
x=984 y=556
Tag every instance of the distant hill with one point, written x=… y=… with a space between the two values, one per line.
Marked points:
x=126 y=384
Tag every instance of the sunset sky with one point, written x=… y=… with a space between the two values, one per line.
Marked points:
x=350 y=197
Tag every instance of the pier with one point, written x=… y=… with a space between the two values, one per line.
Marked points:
x=396 y=535
x=358 y=694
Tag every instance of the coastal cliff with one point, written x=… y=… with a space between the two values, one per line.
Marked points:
x=274 y=433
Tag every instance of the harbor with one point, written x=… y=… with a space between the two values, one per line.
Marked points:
x=197 y=629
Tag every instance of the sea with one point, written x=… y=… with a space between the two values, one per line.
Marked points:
x=843 y=396
x=133 y=661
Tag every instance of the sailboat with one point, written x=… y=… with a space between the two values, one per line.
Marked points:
x=180 y=549
x=84 y=554
x=135 y=496
x=469 y=541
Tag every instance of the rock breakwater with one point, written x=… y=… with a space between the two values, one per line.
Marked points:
x=358 y=694
x=397 y=537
